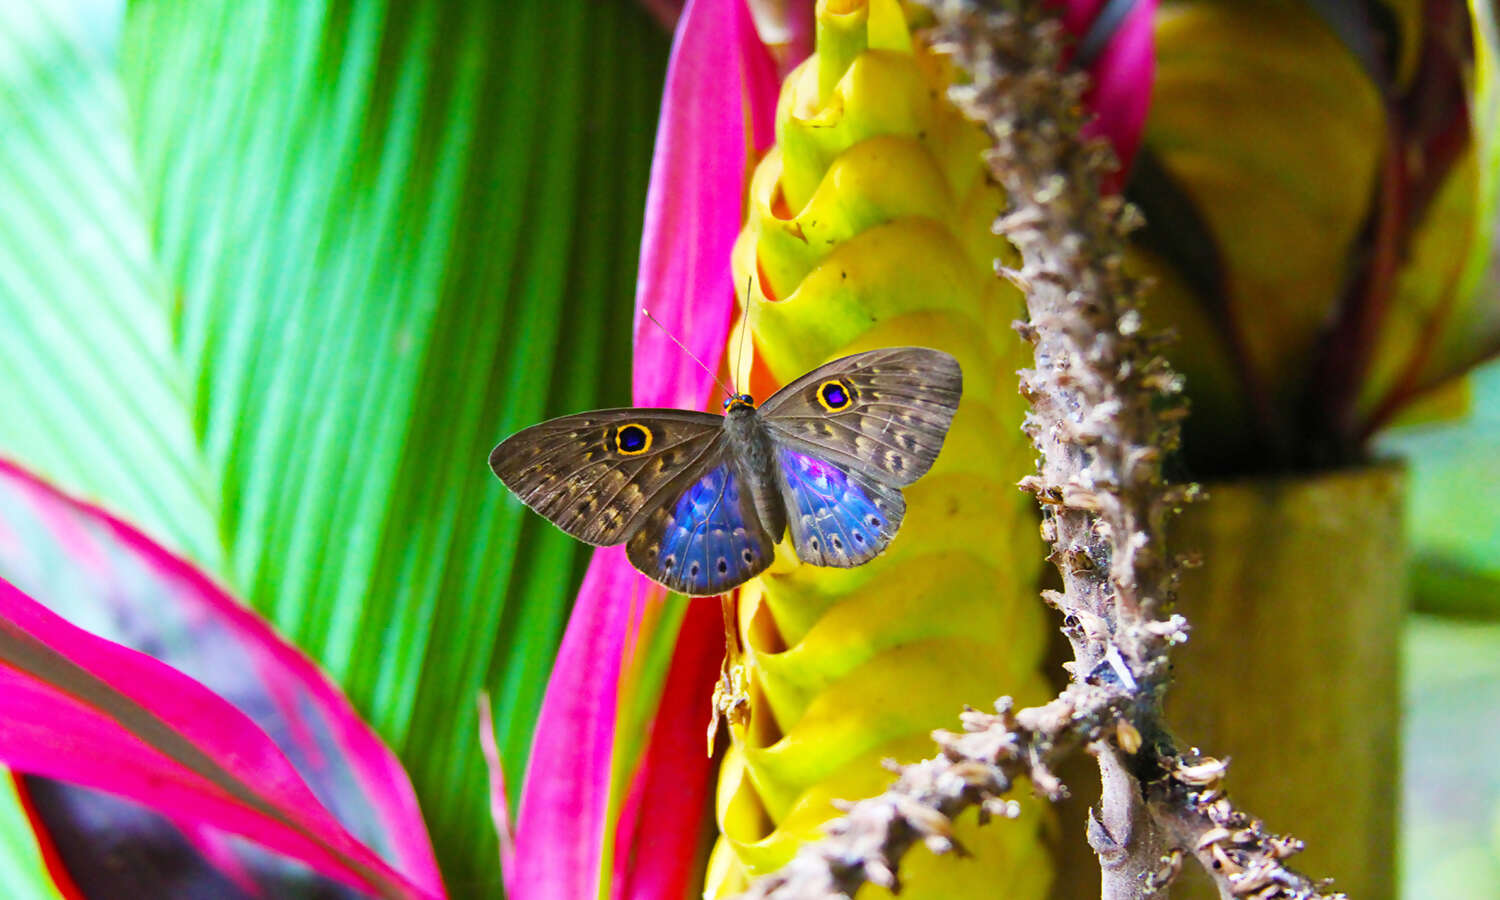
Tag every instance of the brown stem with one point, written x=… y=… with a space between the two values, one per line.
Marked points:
x=974 y=768
x=1126 y=839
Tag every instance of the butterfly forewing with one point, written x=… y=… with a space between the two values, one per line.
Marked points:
x=595 y=475
x=882 y=414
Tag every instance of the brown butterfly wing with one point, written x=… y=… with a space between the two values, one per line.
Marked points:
x=595 y=475
x=881 y=414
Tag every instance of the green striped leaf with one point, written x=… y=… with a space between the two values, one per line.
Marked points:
x=282 y=272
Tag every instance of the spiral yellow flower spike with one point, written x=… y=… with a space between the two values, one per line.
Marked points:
x=868 y=227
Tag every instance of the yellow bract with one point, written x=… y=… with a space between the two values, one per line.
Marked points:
x=1268 y=123
x=869 y=226
x=1278 y=179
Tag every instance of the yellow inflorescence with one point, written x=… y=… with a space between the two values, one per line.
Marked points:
x=869 y=226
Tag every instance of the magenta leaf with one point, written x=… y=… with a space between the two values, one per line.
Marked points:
x=561 y=823
x=188 y=706
x=1117 y=47
x=694 y=205
x=101 y=845
x=719 y=79
x=660 y=827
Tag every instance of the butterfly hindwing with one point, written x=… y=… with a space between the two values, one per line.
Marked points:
x=836 y=516
x=705 y=538
x=598 y=475
x=882 y=414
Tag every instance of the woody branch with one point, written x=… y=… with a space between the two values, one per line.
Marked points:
x=1104 y=412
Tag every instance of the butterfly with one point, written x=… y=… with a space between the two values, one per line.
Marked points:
x=700 y=500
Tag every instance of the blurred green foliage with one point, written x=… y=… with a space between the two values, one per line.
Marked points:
x=1450 y=836
x=1450 y=818
x=1455 y=504
x=22 y=872
x=275 y=277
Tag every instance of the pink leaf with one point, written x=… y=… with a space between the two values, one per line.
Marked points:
x=719 y=80
x=694 y=206
x=561 y=823
x=660 y=824
x=82 y=709
x=1121 y=61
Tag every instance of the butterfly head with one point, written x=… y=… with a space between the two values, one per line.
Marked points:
x=739 y=401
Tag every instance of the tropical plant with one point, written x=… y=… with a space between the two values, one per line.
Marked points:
x=775 y=253
x=275 y=276
x=184 y=703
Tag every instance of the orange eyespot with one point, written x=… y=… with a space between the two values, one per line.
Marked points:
x=632 y=439
x=835 y=395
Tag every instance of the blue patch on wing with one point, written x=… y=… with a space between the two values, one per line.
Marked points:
x=836 y=518
x=707 y=546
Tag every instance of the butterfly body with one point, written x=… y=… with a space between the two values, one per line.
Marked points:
x=701 y=500
x=751 y=444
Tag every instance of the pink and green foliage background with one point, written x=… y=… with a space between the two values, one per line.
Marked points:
x=274 y=277
x=186 y=703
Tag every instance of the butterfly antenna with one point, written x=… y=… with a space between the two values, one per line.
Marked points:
x=684 y=349
x=739 y=358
